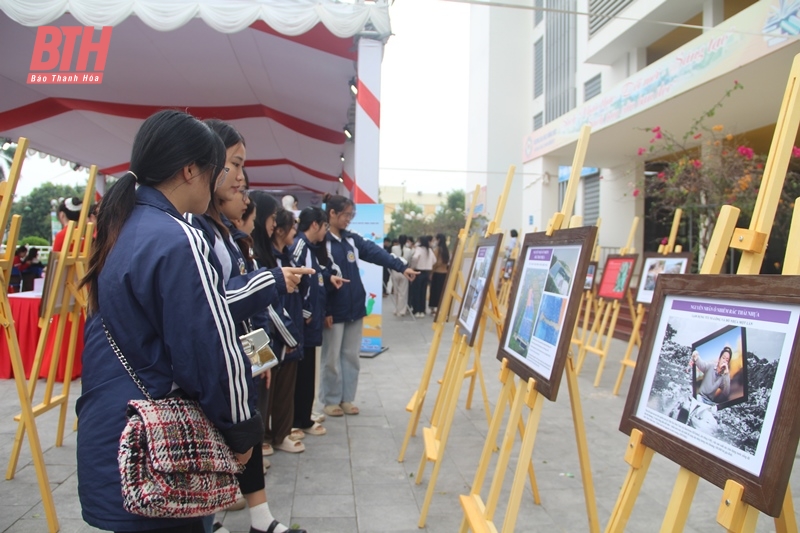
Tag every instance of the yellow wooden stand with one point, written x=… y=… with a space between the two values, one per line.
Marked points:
x=636 y=338
x=479 y=517
x=734 y=514
x=66 y=301
x=588 y=306
x=27 y=417
x=418 y=398
x=605 y=321
x=456 y=371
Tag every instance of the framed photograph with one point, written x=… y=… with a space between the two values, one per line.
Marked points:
x=655 y=264
x=480 y=277
x=717 y=383
x=543 y=305
x=617 y=275
x=591 y=272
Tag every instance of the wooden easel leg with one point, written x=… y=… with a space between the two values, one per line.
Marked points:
x=418 y=399
x=735 y=515
x=787 y=521
x=75 y=316
x=680 y=502
x=626 y=360
x=638 y=456
x=534 y=401
x=436 y=452
x=607 y=345
x=583 y=446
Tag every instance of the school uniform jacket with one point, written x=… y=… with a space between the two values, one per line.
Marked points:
x=348 y=303
x=247 y=290
x=314 y=297
x=288 y=318
x=163 y=302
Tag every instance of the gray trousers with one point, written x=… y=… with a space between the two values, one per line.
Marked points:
x=340 y=363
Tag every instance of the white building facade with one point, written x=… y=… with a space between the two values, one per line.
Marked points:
x=620 y=66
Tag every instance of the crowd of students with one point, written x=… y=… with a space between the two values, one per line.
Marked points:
x=185 y=261
x=431 y=258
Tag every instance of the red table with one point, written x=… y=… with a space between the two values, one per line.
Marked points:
x=25 y=310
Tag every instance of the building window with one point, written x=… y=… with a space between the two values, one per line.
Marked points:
x=592 y=88
x=560 y=62
x=603 y=11
x=538 y=14
x=591 y=199
x=538 y=68
x=538 y=121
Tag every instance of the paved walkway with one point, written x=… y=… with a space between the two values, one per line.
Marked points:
x=349 y=480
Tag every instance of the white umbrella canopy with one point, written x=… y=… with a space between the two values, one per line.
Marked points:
x=278 y=71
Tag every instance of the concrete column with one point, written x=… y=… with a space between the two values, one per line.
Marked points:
x=368 y=121
x=713 y=13
x=618 y=206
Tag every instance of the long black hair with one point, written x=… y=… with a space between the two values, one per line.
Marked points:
x=230 y=137
x=165 y=143
x=444 y=253
x=266 y=206
x=336 y=203
x=308 y=216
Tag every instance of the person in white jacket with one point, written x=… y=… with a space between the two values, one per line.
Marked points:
x=399 y=281
x=422 y=260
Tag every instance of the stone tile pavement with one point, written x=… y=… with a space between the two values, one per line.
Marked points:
x=349 y=481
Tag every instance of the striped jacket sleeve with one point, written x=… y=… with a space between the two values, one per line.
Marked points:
x=207 y=359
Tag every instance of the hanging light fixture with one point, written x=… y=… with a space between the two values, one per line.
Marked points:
x=353 y=86
x=341 y=156
x=347 y=132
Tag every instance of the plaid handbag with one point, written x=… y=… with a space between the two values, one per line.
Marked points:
x=173 y=462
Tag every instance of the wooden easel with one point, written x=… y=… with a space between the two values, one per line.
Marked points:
x=479 y=517
x=66 y=301
x=734 y=514
x=605 y=321
x=636 y=338
x=436 y=435
x=27 y=417
x=589 y=302
x=418 y=398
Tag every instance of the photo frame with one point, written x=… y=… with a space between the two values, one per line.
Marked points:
x=591 y=274
x=617 y=275
x=543 y=305
x=480 y=278
x=751 y=440
x=47 y=289
x=654 y=264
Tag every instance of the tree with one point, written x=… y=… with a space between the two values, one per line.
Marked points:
x=7 y=152
x=408 y=218
x=35 y=208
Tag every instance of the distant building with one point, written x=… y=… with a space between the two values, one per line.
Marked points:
x=393 y=196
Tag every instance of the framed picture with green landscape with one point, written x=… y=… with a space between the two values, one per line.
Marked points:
x=543 y=306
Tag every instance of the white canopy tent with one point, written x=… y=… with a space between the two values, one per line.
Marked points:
x=279 y=71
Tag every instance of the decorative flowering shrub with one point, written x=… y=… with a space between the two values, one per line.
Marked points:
x=702 y=170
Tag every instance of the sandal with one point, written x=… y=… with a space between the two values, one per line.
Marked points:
x=266 y=449
x=316 y=417
x=291 y=446
x=349 y=408
x=316 y=429
x=333 y=410
x=297 y=434
x=275 y=524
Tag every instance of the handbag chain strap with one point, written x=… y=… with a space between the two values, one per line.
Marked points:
x=125 y=363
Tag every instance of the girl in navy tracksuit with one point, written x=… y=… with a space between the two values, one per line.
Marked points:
x=273 y=231
x=243 y=294
x=153 y=283
x=346 y=307
x=309 y=251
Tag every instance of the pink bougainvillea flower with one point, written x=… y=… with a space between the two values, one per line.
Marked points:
x=661 y=176
x=635 y=193
x=698 y=135
x=718 y=127
x=641 y=151
x=664 y=240
x=656 y=129
x=696 y=163
x=746 y=152
x=795 y=151
x=659 y=135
